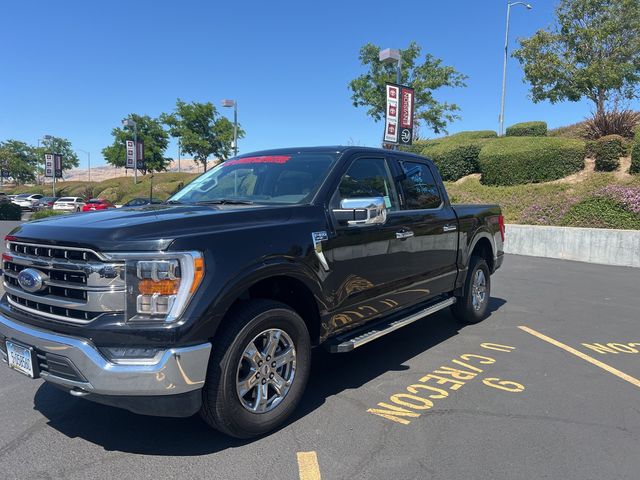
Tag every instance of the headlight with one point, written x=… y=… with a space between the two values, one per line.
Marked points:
x=160 y=285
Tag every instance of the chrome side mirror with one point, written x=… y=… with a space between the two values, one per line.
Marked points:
x=359 y=212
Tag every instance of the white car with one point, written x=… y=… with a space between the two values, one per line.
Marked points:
x=69 y=204
x=26 y=201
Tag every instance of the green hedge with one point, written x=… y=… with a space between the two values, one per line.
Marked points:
x=598 y=212
x=608 y=150
x=455 y=160
x=10 y=211
x=635 y=153
x=456 y=156
x=472 y=135
x=527 y=129
x=520 y=160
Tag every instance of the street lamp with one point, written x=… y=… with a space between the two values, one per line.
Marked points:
x=504 y=67
x=234 y=104
x=128 y=122
x=88 y=160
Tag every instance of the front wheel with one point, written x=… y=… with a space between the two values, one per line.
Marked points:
x=471 y=307
x=258 y=369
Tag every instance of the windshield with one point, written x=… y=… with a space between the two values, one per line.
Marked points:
x=67 y=199
x=274 y=179
x=24 y=195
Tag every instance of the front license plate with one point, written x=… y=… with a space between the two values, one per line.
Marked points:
x=20 y=358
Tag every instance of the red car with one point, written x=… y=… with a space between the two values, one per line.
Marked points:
x=97 y=204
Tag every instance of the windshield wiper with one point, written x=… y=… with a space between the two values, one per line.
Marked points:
x=225 y=201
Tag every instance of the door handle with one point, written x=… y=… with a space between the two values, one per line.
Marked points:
x=404 y=234
x=449 y=228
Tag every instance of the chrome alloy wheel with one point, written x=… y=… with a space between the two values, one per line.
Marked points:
x=266 y=371
x=478 y=290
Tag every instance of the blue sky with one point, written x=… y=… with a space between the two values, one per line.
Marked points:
x=76 y=68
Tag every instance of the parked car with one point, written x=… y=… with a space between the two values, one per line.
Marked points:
x=212 y=301
x=69 y=204
x=139 y=202
x=94 y=204
x=26 y=201
x=45 y=203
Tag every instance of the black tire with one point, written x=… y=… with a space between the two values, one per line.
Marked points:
x=221 y=405
x=464 y=309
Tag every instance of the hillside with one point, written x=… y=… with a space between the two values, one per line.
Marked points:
x=118 y=190
x=105 y=172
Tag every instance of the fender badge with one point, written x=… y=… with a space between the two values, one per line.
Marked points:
x=318 y=238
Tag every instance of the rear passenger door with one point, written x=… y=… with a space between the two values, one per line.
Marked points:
x=430 y=224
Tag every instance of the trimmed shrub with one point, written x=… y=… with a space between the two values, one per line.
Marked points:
x=10 y=211
x=520 y=160
x=527 y=129
x=473 y=135
x=454 y=160
x=601 y=212
x=46 y=213
x=635 y=154
x=608 y=151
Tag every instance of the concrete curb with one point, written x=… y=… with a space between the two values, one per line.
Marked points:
x=593 y=245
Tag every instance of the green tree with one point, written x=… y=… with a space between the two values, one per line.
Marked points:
x=202 y=131
x=62 y=147
x=593 y=51
x=425 y=76
x=156 y=141
x=20 y=160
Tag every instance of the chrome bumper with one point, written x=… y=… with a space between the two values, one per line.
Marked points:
x=174 y=371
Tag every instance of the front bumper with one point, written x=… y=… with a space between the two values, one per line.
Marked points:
x=85 y=371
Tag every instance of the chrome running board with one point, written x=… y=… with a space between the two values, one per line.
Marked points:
x=368 y=333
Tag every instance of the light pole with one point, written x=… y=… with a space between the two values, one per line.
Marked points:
x=88 y=160
x=179 y=147
x=504 y=67
x=234 y=104
x=391 y=55
x=128 y=122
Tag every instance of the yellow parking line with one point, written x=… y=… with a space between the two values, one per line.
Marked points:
x=584 y=356
x=308 y=466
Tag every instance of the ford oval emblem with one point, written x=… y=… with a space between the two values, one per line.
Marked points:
x=31 y=280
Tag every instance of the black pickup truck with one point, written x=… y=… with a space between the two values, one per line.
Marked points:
x=212 y=301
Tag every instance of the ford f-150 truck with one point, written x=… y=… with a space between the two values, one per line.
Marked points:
x=212 y=301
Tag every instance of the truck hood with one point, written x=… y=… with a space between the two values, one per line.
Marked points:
x=152 y=227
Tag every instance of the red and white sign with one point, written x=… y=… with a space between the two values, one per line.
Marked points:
x=391 y=123
x=130 y=153
x=406 y=109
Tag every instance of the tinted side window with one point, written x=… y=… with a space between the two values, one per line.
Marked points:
x=367 y=177
x=419 y=186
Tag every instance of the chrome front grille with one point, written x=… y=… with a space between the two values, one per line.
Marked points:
x=79 y=284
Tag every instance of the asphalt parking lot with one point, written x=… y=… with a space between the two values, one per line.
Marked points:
x=556 y=399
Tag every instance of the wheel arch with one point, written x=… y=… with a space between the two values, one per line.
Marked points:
x=293 y=286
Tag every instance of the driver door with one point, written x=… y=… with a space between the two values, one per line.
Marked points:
x=365 y=270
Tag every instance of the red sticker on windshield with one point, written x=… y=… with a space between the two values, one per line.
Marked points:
x=264 y=159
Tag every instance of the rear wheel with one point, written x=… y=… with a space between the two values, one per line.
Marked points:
x=472 y=306
x=258 y=369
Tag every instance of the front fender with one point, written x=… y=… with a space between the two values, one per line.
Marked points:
x=243 y=280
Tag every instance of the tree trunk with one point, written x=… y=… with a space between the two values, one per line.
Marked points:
x=600 y=104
